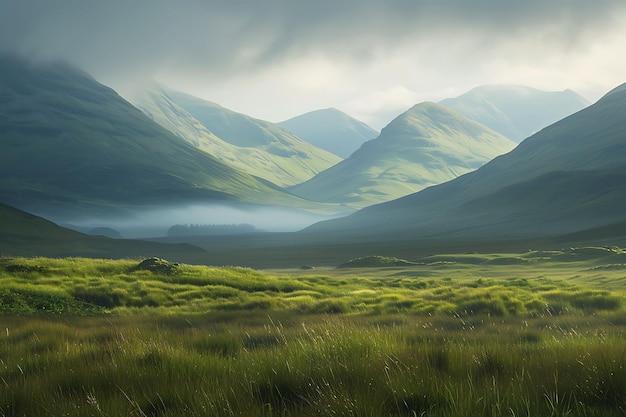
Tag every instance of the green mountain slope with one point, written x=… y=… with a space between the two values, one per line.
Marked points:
x=516 y=112
x=254 y=146
x=23 y=234
x=70 y=142
x=331 y=129
x=570 y=176
x=427 y=145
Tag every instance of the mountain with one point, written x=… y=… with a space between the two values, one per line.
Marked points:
x=569 y=177
x=331 y=129
x=23 y=234
x=254 y=146
x=67 y=141
x=516 y=112
x=427 y=145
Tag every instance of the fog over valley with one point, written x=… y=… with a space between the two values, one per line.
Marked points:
x=155 y=222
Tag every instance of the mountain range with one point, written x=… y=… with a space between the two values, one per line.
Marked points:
x=514 y=111
x=331 y=129
x=250 y=145
x=68 y=143
x=427 y=145
x=568 y=177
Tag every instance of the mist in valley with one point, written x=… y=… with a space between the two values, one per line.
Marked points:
x=155 y=222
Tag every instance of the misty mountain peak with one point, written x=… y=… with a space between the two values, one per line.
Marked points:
x=516 y=111
x=331 y=129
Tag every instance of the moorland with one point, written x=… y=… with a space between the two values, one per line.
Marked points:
x=534 y=333
x=426 y=304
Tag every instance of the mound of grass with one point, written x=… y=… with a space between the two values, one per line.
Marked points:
x=158 y=266
x=509 y=260
x=35 y=301
x=375 y=262
x=589 y=253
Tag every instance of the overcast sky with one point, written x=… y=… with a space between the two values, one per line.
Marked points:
x=274 y=59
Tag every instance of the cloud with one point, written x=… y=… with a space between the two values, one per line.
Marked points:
x=221 y=35
x=304 y=47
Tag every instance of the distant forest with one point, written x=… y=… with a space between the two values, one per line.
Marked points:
x=209 y=229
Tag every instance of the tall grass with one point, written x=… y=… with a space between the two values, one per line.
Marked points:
x=104 y=338
x=286 y=365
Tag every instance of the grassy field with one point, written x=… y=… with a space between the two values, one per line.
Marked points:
x=539 y=333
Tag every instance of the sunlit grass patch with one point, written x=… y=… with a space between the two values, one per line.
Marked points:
x=463 y=337
x=375 y=262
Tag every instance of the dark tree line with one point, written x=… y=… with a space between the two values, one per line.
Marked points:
x=209 y=229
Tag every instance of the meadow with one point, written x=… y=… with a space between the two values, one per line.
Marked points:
x=539 y=333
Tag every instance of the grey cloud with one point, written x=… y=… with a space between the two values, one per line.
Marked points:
x=222 y=36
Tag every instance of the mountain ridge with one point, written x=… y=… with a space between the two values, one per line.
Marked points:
x=586 y=149
x=426 y=145
x=71 y=142
x=331 y=129
x=516 y=111
x=256 y=146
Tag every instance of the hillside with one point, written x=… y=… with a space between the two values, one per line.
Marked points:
x=332 y=130
x=70 y=143
x=516 y=112
x=23 y=234
x=427 y=145
x=570 y=176
x=250 y=145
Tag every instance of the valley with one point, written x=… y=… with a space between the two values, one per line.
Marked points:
x=173 y=257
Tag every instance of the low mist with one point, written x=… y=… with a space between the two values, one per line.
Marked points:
x=150 y=223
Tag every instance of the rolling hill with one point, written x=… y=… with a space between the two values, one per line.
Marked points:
x=23 y=234
x=331 y=129
x=69 y=143
x=427 y=145
x=516 y=112
x=569 y=177
x=250 y=145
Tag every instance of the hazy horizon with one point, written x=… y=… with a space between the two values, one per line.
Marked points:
x=154 y=222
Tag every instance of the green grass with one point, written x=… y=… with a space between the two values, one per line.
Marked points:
x=374 y=262
x=500 y=285
x=450 y=335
